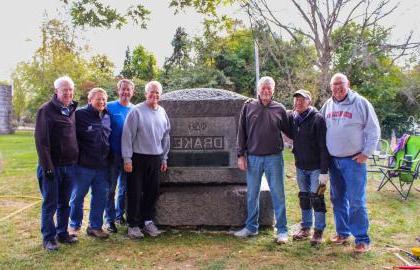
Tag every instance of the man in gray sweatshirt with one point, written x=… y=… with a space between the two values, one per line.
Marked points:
x=144 y=147
x=352 y=135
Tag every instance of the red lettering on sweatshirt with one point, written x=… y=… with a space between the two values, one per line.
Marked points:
x=340 y=114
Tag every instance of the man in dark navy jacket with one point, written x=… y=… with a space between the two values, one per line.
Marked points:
x=56 y=145
x=93 y=130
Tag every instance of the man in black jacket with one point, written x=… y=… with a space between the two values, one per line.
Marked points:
x=56 y=145
x=308 y=131
x=93 y=130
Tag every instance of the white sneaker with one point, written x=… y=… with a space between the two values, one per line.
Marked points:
x=244 y=233
x=282 y=238
x=151 y=229
x=135 y=233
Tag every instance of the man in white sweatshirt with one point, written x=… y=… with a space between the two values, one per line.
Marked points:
x=144 y=147
x=352 y=135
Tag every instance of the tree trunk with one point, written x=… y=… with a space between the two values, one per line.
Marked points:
x=324 y=86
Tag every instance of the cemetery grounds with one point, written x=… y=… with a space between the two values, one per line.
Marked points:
x=392 y=221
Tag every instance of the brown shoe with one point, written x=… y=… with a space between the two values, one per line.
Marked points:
x=339 y=240
x=99 y=233
x=361 y=248
x=74 y=231
x=302 y=234
x=316 y=237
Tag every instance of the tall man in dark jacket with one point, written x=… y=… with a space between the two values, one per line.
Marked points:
x=260 y=150
x=93 y=130
x=56 y=145
x=308 y=131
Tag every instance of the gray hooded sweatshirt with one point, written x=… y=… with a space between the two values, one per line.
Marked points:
x=352 y=126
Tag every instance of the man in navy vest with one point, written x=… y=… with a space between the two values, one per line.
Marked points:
x=93 y=127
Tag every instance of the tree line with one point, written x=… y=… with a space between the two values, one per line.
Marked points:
x=342 y=35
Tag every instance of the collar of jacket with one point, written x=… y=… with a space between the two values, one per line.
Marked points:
x=95 y=111
x=58 y=105
x=309 y=112
x=265 y=106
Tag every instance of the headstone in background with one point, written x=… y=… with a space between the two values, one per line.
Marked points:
x=6 y=109
x=203 y=186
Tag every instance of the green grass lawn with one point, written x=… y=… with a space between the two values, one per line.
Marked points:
x=393 y=221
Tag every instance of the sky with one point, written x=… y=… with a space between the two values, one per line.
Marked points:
x=20 y=22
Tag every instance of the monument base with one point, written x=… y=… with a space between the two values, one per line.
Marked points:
x=208 y=206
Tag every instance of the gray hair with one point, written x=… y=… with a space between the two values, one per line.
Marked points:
x=127 y=81
x=58 y=82
x=95 y=91
x=264 y=81
x=339 y=75
x=150 y=85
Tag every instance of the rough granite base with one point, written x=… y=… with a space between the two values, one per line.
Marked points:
x=216 y=206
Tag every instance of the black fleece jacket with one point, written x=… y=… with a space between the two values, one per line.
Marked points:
x=55 y=135
x=309 y=144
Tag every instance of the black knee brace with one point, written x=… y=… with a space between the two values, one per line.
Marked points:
x=304 y=200
x=318 y=203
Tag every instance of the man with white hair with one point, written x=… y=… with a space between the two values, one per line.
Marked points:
x=145 y=147
x=118 y=111
x=352 y=135
x=260 y=147
x=93 y=126
x=56 y=145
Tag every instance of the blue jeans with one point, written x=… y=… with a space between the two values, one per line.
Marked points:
x=97 y=180
x=272 y=166
x=348 y=197
x=55 y=198
x=308 y=182
x=115 y=208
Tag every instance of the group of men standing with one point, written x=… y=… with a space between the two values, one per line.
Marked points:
x=336 y=140
x=103 y=145
x=81 y=149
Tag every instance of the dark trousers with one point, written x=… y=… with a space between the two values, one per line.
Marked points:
x=55 y=199
x=142 y=189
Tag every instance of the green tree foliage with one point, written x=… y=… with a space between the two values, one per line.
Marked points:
x=20 y=98
x=141 y=64
x=373 y=73
x=197 y=76
x=180 y=58
x=291 y=63
x=127 y=71
x=236 y=59
x=410 y=93
x=229 y=60
x=58 y=55
x=94 y=13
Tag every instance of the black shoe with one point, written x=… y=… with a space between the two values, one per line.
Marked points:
x=50 y=245
x=120 y=221
x=111 y=227
x=68 y=239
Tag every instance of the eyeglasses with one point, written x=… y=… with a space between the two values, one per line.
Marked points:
x=339 y=84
